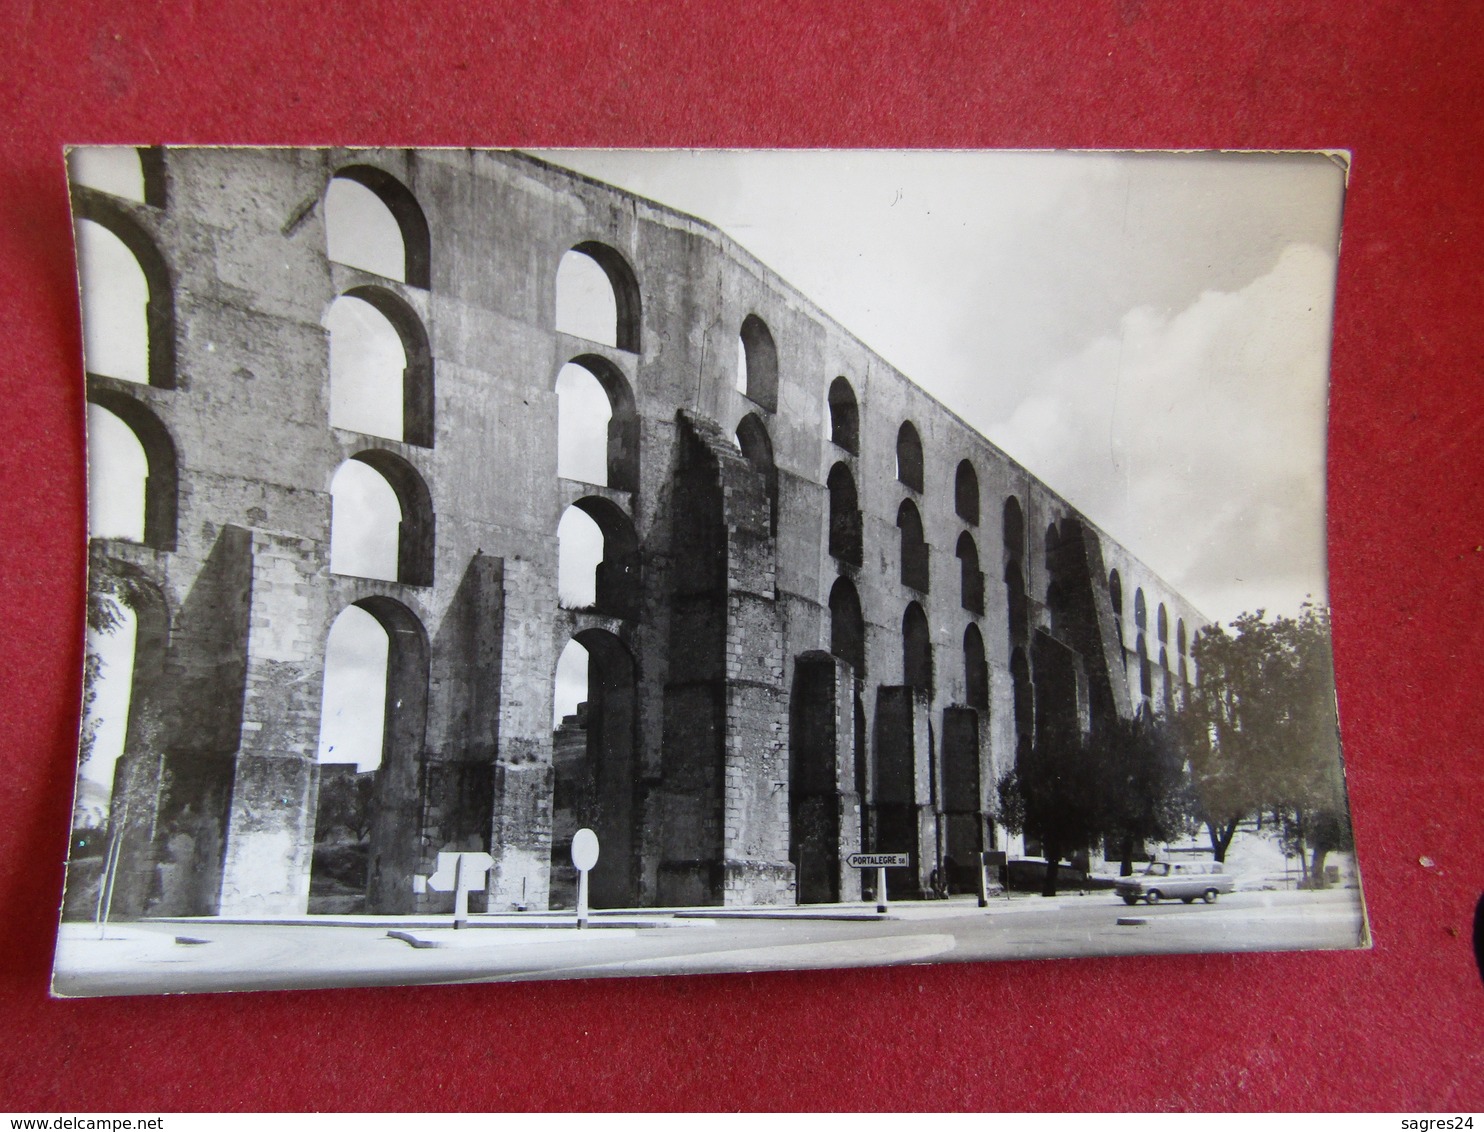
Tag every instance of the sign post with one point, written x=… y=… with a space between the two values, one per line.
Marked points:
x=880 y=862
x=584 y=857
x=460 y=872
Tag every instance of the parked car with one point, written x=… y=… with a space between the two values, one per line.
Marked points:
x=1177 y=880
x=1028 y=874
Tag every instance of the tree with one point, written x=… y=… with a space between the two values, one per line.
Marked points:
x=1141 y=792
x=1052 y=792
x=1261 y=732
x=111 y=590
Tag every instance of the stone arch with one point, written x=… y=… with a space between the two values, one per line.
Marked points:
x=1181 y=641
x=616 y=589
x=966 y=492
x=612 y=317
x=1020 y=613
x=757 y=447
x=394 y=835
x=136 y=174
x=976 y=669
x=917 y=649
x=847 y=626
x=617 y=437
x=1141 y=611
x=1162 y=622
x=159 y=308
x=416 y=385
x=162 y=480
x=1146 y=673
x=135 y=781
x=1024 y=697
x=415 y=524
x=914 y=548
x=909 y=456
x=1013 y=528
x=352 y=744
x=595 y=774
x=412 y=224
x=844 y=417
x=971 y=578
x=757 y=363
x=817 y=799
x=845 y=515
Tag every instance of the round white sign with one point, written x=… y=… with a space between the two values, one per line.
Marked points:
x=584 y=849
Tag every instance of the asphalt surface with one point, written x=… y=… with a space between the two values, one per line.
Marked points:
x=152 y=957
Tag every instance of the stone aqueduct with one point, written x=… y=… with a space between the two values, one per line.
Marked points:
x=829 y=613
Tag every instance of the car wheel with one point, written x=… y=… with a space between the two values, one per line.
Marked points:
x=1130 y=900
x=1209 y=896
x=1153 y=896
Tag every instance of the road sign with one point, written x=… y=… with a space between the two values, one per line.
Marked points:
x=584 y=857
x=460 y=872
x=584 y=849
x=878 y=860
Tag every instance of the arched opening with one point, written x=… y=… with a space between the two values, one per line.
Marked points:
x=381 y=520
x=373 y=223
x=1163 y=623
x=132 y=476
x=757 y=447
x=128 y=332
x=597 y=425
x=381 y=367
x=1141 y=611
x=118 y=472
x=109 y=671
x=593 y=757
x=120 y=751
x=113 y=169
x=1014 y=530
x=1025 y=702
x=966 y=492
x=971 y=578
x=598 y=559
x=976 y=670
x=757 y=363
x=819 y=737
x=845 y=516
x=597 y=297
x=373 y=725
x=1020 y=614
x=844 y=417
x=1181 y=641
x=1146 y=673
x=351 y=745
x=917 y=649
x=847 y=626
x=909 y=456
x=914 y=548
x=115 y=305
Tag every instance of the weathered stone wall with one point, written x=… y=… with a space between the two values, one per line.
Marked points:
x=728 y=586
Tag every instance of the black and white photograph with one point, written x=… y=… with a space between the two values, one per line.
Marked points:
x=565 y=564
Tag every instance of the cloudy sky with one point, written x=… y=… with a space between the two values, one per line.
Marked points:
x=1148 y=333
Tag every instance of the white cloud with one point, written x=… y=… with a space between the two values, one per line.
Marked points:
x=1197 y=439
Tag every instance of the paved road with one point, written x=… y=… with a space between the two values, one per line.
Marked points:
x=150 y=957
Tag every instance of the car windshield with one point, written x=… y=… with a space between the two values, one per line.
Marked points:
x=1157 y=869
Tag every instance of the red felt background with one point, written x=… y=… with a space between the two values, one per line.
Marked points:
x=1401 y=1026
